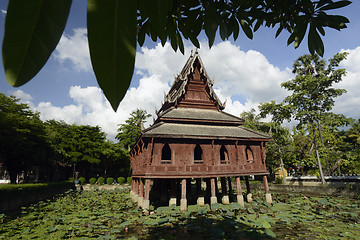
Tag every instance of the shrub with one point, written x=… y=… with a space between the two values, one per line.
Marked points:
x=82 y=181
x=128 y=180
x=278 y=180
x=22 y=191
x=121 y=180
x=110 y=180
x=100 y=181
x=92 y=181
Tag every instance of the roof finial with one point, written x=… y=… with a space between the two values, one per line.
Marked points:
x=196 y=51
x=191 y=52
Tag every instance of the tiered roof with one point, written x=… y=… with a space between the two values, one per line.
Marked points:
x=193 y=110
x=179 y=87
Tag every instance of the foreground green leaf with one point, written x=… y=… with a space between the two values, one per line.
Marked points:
x=32 y=31
x=112 y=42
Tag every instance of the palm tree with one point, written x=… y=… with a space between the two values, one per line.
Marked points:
x=139 y=117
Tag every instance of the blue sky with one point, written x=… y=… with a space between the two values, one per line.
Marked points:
x=246 y=73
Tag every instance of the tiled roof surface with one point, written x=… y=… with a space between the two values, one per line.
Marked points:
x=199 y=114
x=195 y=130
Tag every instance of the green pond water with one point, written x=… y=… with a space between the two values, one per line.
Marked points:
x=112 y=215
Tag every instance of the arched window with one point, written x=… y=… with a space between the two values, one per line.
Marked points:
x=224 y=156
x=249 y=154
x=198 y=155
x=166 y=154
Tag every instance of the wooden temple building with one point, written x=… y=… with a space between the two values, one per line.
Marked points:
x=193 y=144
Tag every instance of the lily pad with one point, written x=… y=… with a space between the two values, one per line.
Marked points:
x=270 y=233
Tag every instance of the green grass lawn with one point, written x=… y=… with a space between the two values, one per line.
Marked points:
x=112 y=215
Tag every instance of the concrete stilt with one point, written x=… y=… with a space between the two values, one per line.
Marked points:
x=240 y=200
x=173 y=188
x=141 y=193
x=239 y=196
x=136 y=190
x=132 y=189
x=208 y=187
x=267 y=193
x=231 y=195
x=183 y=200
x=213 y=198
x=225 y=199
x=172 y=201
x=225 y=196
x=249 y=195
x=200 y=200
x=146 y=201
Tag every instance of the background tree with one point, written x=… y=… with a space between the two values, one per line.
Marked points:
x=281 y=139
x=83 y=144
x=22 y=137
x=33 y=29
x=115 y=160
x=313 y=94
x=350 y=149
x=279 y=113
x=130 y=131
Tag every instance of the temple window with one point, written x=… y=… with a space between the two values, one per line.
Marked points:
x=166 y=154
x=198 y=155
x=249 y=154
x=224 y=156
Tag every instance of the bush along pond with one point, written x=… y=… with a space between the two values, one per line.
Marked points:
x=104 y=214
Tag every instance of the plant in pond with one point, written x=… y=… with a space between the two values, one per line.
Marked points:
x=112 y=215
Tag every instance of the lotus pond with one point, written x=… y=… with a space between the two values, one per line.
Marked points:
x=112 y=215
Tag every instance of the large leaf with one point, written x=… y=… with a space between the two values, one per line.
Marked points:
x=246 y=28
x=315 y=44
x=156 y=10
x=112 y=42
x=32 y=31
x=335 y=5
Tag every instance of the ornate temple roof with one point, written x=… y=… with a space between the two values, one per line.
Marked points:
x=178 y=88
x=192 y=110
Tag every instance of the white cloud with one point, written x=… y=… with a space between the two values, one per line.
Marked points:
x=22 y=95
x=91 y=108
x=349 y=103
x=74 y=48
x=248 y=74
x=236 y=73
x=244 y=79
x=352 y=61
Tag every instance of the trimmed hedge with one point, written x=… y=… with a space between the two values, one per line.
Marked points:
x=129 y=180
x=82 y=181
x=13 y=196
x=121 y=180
x=100 y=181
x=92 y=181
x=110 y=180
